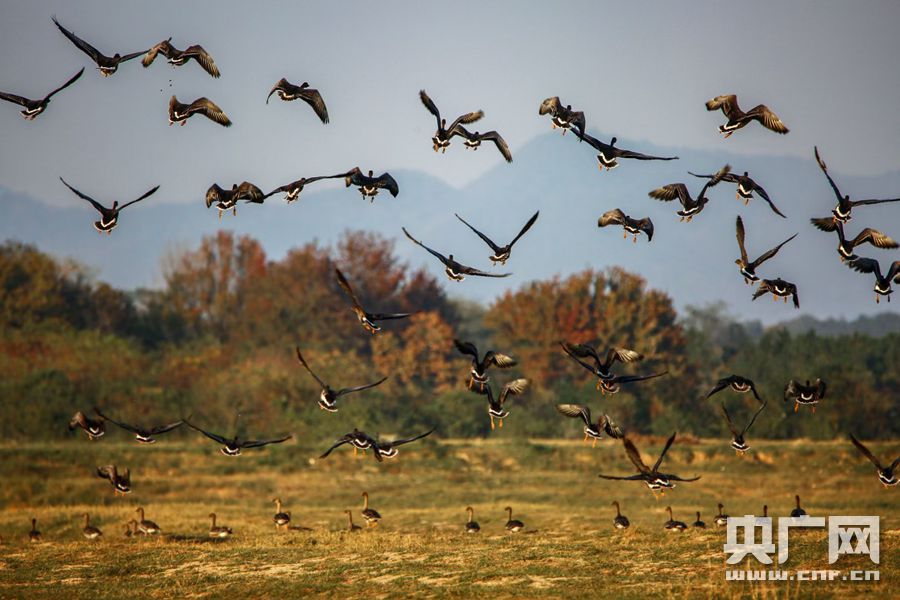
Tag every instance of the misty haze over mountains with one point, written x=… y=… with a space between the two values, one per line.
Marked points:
x=693 y=262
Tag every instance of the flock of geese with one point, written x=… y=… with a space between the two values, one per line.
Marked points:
x=601 y=362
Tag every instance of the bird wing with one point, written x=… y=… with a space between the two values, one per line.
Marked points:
x=479 y=273
x=431 y=106
x=502 y=146
x=73 y=79
x=248 y=192
x=610 y=427
x=80 y=43
x=874 y=237
x=202 y=56
x=894 y=272
x=753 y=419
x=727 y=103
x=767 y=117
x=828 y=224
x=389 y=183
x=132 y=56
x=791 y=390
x=741 y=234
x=486 y=239
x=107 y=472
x=149 y=193
x=498 y=359
x=466 y=119
x=20 y=100
x=634 y=456
x=359 y=388
x=213 y=436
x=594 y=142
x=866 y=265
x=795 y=296
x=260 y=443
x=574 y=356
x=765 y=196
x=306 y=366
x=159 y=429
x=434 y=253
x=525 y=228
x=337 y=444
x=576 y=411
x=771 y=252
x=638 y=156
x=388 y=316
x=824 y=168
x=279 y=85
x=633 y=378
x=720 y=175
x=677 y=478
x=466 y=348
x=412 y=439
x=611 y=217
x=549 y=106
x=93 y=202
x=623 y=355
x=665 y=449
x=720 y=385
x=124 y=426
x=151 y=54
x=315 y=100
x=514 y=387
x=576 y=119
x=821 y=386
x=210 y=110
x=872 y=201
x=619 y=478
x=646 y=225
x=345 y=285
x=672 y=191
x=731 y=425
x=866 y=452
x=761 y=290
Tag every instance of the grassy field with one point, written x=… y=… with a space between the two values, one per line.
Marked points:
x=569 y=548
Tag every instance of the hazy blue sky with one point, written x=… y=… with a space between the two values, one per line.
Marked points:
x=640 y=69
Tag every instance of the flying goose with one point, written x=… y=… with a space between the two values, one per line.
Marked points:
x=745 y=189
x=180 y=113
x=287 y=91
x=226 y=200
x=779 y=288
x=495 y=406
x=608 y=155
x=328 y=396
x=369 y=185
x=650 y=475
x=845 y=246
x=882 y=282
x=472 y=140
x=562 y=116
x=632 y=226
x=807 y=393
x=32 y=108
x=384 y=449
x=478 y=377
x=455 y=271
x=109 y=217
x=360 y=440
x=738 y=118
x=121 y=482
x=738 y=440
x=690 y=206
x=592 y=430
x=886 y=474
x=368 y=320
x=441 y=139
x=844 y=205
x=292 y=190
x=233 y=446
x=748 y=267
x=177 y=57
x=501 y=253
x=738 y=383
x=106 y=64
x=602 y=366
x=145 y=435
x=94 y=428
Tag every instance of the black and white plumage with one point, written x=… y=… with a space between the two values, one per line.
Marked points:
x=93 y=428
x=748 y=267
x=846 y=246
x=746 y=187
x=369 y=185
x=455 y=271
x=501 y=253
x=496 y=403
x=887 y=474
x=472 y=525
x=328 y=396
x=121 y=482
x=388 y=449
x=360 y=440
x=145 y=435
x=225 y=200
x=109 y=217
x=180 y=113
x=621 y=521
x=608 y=155
x=632 y=226
x=844 y=207
x=883 y=280
x=738 y=436
x=592 y=430
x=233 y=446
x=738 y=383
x=737 y=118
x=562 y=116
x=602 y=366
x=32 y=108
x=177 y=57
x=472 y=140
x=779 y=288
x=651 y=476
x=808 y=393
x=674 y=525
x=287 y=91
x=367 y=319
x=478 y=377
x=689 y=206
x=107 y=65
x=292 y=190
x=442 y=136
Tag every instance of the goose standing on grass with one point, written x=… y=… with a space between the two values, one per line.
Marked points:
x=233 y=446
x=844 y=207
x=328 y=396
x=350 y=526
x=32 y=108
x=34 y=536
x=513 y=525
x=441 y=138
x=89 y=531
x=369 y=185
x=292 y=190
x=887 y=475
x=144 y=435
x=472 y=140
x=592 y=430
x=455 y=271
x=798 y=512
x=226 y=200
x=746 y=187
x=738 y=383
x=689 y=206
x=121 y=482
x=94 y=428
x=602 y=367
x=360 y=440
x=651 y=476
x=698 y=524
x=779 y=288
x=845 y=247
x=632 y=226
x=180 y=113
x=721 y=519
x=608 y=155
x=472 y=526
x=287 y=91
x=737 y=118
x=748 y=267
x=107 y=65
x=218 y=531
x=371 y=515
x=281 y=518
x=808 y=394
x=478 y=377
x=495 y=407
x=621 y=521
x=367 y=319
x=882 y=282
x=738 y=436
x=131 y=529
x=109 y=217
x=501 y=253
x=673 y=525
x=145 y=526
x=561 y=116
x=177 y=57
